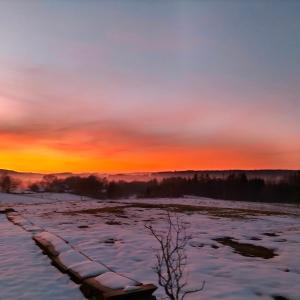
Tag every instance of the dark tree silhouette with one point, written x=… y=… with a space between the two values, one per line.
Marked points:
x=234 y=187
x=8 y=184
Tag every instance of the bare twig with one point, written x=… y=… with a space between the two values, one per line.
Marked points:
x=171 y=258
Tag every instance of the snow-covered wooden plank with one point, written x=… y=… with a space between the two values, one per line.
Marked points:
x=86 y=269
x=68 y=258
x=51 y=243
x=115 y=281
x=93 y=288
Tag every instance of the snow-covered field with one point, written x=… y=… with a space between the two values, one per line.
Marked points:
x=113 y=233
x=25 y=273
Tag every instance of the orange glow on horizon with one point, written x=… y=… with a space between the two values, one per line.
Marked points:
x=188 y=91
x=135 y=156
x=112 y=149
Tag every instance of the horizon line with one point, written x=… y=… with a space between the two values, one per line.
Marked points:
x=149 y=172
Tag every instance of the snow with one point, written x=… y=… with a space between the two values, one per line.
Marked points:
x=32 y=228
x=25 y=273
x=70 y=258
x=18 y=220
x=39 y=198
x=53 y=243
x=87 y=269
x=115 y=281
x=121 y=242
x=130 y=288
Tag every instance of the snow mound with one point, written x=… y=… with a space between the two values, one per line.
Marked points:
x=52 y=243
x=32 y=228
x=18 y=220
x=87 y=269
x=115 y=281
x=70 y=258
x=130 y=288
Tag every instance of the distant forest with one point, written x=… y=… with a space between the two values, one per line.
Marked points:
x=233 y=187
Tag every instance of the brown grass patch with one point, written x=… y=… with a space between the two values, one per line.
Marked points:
x=246 y=249
x=279 y=297
x=113 y=223
x=221 y=212
x=101 y=210
x=212 y=211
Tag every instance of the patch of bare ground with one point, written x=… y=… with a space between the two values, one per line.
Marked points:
x=279 y=297
x=83 y=226
x=221 y=212
x=119 y=210
x=113 y=223
x=6 y=210
x=112 y=241
x=212 y=211
x=246 y=249
x=271 y=234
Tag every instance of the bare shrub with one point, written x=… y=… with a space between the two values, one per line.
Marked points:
x=171 y=258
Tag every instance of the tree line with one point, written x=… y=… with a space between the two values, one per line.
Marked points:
x=233 y=187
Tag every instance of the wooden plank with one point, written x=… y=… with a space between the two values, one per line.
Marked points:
x=92 y=288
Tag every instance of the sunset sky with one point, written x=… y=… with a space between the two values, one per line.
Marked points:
x=120 y=86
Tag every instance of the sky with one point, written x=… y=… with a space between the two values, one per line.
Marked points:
x=125 y=86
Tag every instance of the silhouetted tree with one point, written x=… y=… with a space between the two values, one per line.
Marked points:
x=34 y=187
x=8 y=184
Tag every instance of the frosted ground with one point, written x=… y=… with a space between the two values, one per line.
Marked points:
x=113 y=232
x=25 y=273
